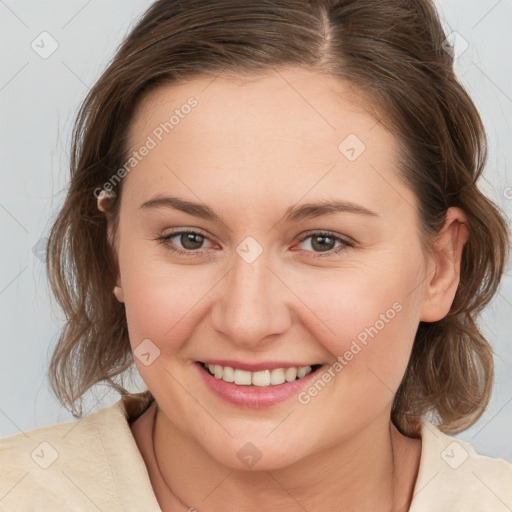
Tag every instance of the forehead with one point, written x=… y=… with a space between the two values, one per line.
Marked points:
x=292 y=128
x=289 y=103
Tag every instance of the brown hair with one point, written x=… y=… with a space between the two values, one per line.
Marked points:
x=390 y=49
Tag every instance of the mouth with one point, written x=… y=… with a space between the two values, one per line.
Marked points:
x=256 y=385
x=263 y=378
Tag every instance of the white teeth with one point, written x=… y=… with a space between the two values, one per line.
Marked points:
x=302 y=372
x=263 y=378
x=290 y=374
x=277 y=376
x=242 y=378
x=228 y=374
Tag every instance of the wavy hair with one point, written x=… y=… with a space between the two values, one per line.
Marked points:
x=395 y=52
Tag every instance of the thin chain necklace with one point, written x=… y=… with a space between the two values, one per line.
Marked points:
x=189 y=509
x=192 y=509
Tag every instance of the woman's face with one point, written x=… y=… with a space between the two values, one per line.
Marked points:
x=268 y=281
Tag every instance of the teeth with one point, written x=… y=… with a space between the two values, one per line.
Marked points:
x=228 y=374
x=277 y=376
x=242 y=378
x=290 y=374
x=261 y=379
x=302 y=372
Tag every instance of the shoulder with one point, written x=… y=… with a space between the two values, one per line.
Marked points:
x=453 y=476
x=54 y=467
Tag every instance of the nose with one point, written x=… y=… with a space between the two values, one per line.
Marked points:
x=253 y=305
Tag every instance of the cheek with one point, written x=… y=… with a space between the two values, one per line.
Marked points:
x=366 y=319
x=370 y=333
x=162 y=301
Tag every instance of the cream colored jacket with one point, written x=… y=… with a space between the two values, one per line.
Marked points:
x=93 y=464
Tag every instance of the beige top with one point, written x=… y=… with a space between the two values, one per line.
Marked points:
x=94 y=464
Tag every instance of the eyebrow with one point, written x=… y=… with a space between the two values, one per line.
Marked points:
x=292 y=214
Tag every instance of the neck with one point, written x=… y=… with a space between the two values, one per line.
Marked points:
x=368 y=472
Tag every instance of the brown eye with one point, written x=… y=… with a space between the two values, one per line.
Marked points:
x=325 y=242
x=186 y=242
x=191 y=241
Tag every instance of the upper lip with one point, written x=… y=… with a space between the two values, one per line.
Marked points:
x=255 y=367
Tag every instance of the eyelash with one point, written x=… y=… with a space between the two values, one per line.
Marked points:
x=194 y=253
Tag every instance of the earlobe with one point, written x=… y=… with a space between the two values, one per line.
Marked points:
x=105 y=199
x=118 y=292
x=104 y=204
x=442 y=282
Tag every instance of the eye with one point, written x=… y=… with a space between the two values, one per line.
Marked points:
x=325 y=242
x=189 y=239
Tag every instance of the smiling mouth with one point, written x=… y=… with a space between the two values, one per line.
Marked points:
x=262 y=379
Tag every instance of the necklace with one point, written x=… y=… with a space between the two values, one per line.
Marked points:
x=153 y=428
x=192 y=509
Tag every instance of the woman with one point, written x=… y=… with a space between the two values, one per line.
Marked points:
x=273 y=212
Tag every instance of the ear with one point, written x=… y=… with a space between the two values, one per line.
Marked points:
x=118 y=290
x=105 y=199
x=104 y=204
x=444 y=269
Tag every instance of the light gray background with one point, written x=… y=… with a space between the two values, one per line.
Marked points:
x=38 y=100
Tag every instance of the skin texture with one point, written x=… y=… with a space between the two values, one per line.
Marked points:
x=251 y=149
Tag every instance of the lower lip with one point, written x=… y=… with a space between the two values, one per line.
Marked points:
x=254 y=396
